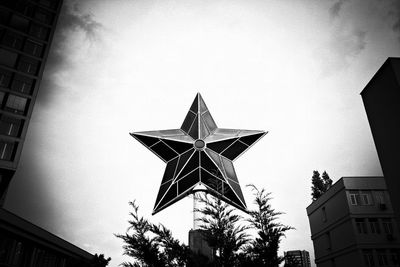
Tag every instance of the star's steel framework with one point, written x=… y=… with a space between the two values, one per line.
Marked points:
x=199 y=156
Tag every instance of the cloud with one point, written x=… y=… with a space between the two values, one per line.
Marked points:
x=72 y=20
x=335 y=8
x=356 y=25
x=347 y=36
x=347 y=39
x=342 y=47
x=395 y=13
x=350 y=44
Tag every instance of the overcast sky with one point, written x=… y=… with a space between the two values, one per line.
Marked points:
x=293 y=68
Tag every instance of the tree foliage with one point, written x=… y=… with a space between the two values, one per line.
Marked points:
x=326 y=180
x=99 y=261
x=228 y=237
x=263 y=250
x=221 y=229
x=151 y=245
x=225 y=231
x=319 y=184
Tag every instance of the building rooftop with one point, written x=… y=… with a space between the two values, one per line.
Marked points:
x=393 y=63
x=348 y=182
x=24 y=228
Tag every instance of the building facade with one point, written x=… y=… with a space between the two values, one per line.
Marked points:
x=381 y=99
x=297 y=258
x=26 y=32
x=353 y=224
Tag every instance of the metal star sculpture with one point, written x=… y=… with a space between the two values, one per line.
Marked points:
x=199 y=156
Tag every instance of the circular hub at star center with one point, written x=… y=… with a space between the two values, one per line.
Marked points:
x=199 y=144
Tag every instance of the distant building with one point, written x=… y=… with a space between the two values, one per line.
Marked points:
x=26 y=32
x=381 y=99
x=297 y=258
x=353 y=224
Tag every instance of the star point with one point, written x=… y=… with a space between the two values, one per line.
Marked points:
x=199 y=154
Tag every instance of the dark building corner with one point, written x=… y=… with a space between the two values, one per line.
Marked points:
x=381 y=97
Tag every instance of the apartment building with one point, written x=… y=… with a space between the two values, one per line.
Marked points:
x=353 y=224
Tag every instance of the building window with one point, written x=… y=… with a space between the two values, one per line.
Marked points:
x=27 y=10
x=6 y=150
x=10 y=126
x=324 y=218
x=5 y=77
x=394 y=257
x=368 y=258
x=43 y=16
x=387 y=225
x=10 y=252
x=8 y=58
x=33 y=48
x=1 y=98
x=361 y=226
x=19 y=23
x=22 y=84
x=382 y=258
x=28 y=65
x=43 y=257
x=374 y=226
x=18 y=254
x=4 y=15
x=46 y=3
x=62 y=262
x=328 y=241
x=365 y=199
x=380 y=197
x=40 y=16
x=16 y=104
x=38 y=32
x=353 y=199
x=360 y=198
x=12 y=40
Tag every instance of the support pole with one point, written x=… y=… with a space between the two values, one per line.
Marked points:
x=197 y=241
x=195 y=213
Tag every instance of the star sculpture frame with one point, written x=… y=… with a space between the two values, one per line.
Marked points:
x=199 y=157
